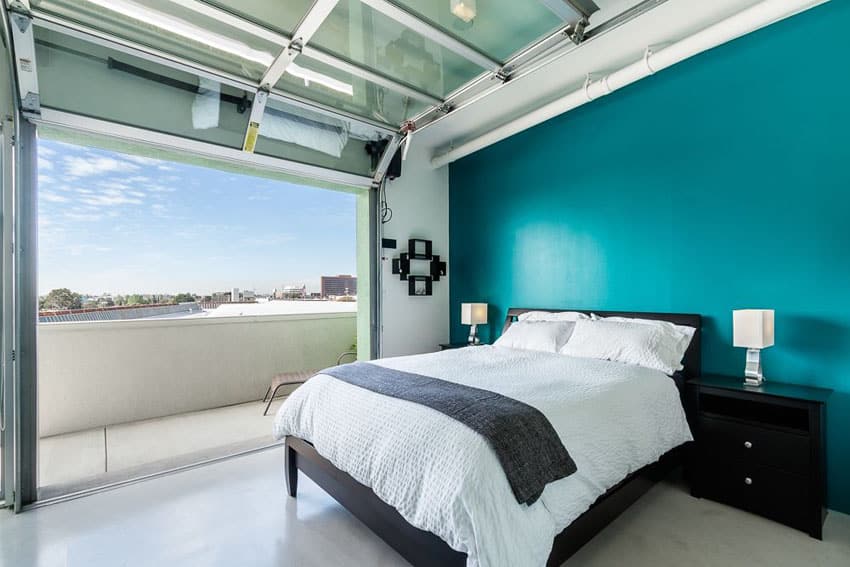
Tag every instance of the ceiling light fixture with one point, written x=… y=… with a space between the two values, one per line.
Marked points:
x=185 y=29
x=464 y=9
x=310 y=76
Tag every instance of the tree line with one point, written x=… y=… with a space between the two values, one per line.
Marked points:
x=63 y=299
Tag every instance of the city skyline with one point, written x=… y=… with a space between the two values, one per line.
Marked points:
x=122 y=224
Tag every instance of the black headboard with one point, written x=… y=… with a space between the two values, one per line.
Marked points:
x=693 y=357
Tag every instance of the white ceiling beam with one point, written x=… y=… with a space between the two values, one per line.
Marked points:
x=425 y=29
x=314 y=18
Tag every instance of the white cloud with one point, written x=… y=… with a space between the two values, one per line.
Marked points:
x=45 y=179
x=51 y=197
x=160 y=189
x=82 y=249
x=45 y=151
x=138 y=179
x=76 y=166
x=110 y=198
x=84 y=217
x=142 y=160
x=44 y=164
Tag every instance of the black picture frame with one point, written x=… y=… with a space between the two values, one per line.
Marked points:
x=419 y=286
x=419 y=249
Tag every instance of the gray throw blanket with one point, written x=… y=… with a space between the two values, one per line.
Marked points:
x=526 y=444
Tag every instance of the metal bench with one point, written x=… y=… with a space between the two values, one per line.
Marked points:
x=293 y=378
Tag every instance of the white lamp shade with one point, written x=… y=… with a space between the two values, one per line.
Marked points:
x=752 y=328
x=473 y=313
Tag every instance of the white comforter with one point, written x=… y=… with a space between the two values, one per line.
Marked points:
x=443 y=477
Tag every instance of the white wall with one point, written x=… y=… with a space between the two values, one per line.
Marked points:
x=420 y=203
x=94 y=374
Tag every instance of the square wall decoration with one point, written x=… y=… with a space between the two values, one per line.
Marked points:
x=420 y=278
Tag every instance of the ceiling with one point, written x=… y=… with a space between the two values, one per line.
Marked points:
x=380 y=62
x=668 y=22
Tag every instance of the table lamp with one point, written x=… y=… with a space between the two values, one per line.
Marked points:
x=473 y=314
x=753 y=330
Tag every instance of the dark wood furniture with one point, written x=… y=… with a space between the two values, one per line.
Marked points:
x=449 y=346
x=422 y=548
x=761 y=448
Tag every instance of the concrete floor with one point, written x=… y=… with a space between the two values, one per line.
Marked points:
x=236 y=513
x=86 y=457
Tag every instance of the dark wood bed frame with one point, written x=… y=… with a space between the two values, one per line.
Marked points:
x=425 y=549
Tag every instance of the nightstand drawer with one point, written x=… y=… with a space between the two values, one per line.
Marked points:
x=755 y=445
x=763 y=490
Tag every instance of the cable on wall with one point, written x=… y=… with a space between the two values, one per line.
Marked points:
x=383 y=206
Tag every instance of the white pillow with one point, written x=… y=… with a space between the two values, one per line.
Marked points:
x=546 y=336
x=684 y=332
x=552 y=316
x=688 y=331
x=650 y=346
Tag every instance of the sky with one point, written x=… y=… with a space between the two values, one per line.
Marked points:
x=117 y=223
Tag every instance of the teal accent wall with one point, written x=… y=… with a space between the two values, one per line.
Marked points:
x=720 y=183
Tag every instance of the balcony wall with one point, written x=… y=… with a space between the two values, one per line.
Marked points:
x=94 y=374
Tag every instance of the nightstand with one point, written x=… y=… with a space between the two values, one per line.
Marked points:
x=449 y=346
x=761 y=449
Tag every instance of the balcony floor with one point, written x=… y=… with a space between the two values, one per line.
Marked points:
x=76 y=461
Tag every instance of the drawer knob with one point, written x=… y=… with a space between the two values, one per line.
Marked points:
x=748 y=481
x=748 y=445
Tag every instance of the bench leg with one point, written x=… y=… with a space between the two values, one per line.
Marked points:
x=271 y=398
x=291 y=468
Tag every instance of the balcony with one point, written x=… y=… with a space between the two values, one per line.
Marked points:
x=119 y=399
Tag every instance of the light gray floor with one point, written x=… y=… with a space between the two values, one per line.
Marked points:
x=85 y=457
x=235 y=513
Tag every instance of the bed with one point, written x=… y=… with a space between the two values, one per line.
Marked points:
x=427 y=487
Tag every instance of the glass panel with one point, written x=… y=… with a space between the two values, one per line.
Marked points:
x=178 y=30
x=320 y=82
x=362 y=35
x=294 y=133
x=102 y=83
x=280 y=16
x=499 y=28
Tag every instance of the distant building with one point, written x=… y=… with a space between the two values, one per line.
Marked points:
x=291 y=292
x=337 y=286
x=221 y=296
x=248 y=295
